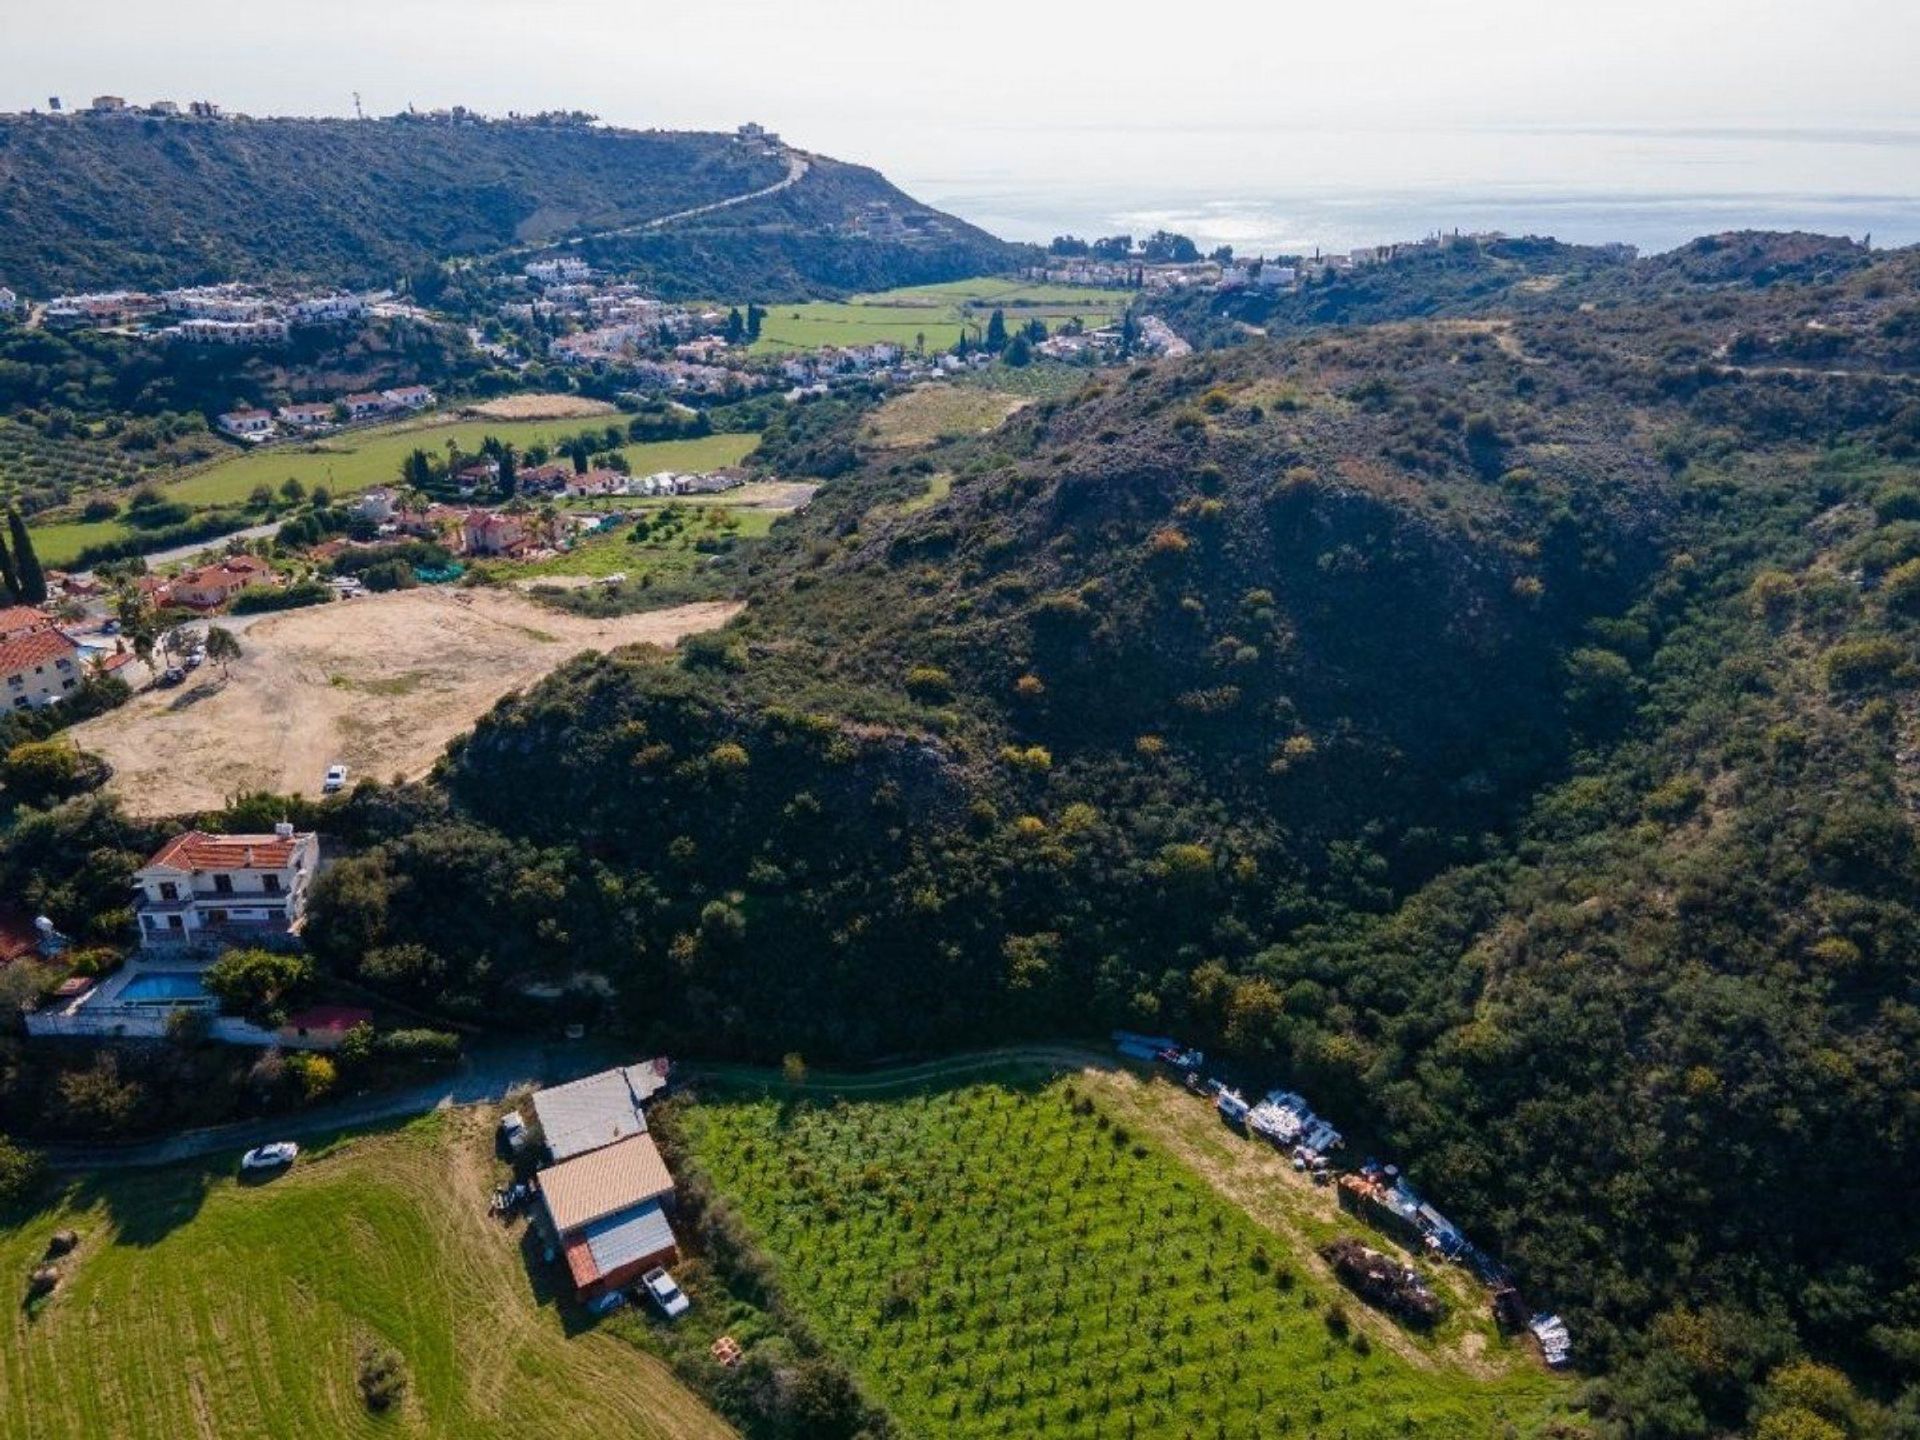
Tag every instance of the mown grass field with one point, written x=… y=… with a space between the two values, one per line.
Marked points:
x=358 y=460
x=937 y=312
x=198 y=1306
x=1010 y=1257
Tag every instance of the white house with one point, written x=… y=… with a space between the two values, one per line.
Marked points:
x=310 y=415
x=38 y=665
x=9 y=302
x=365 y=404
x=200 y=886
x=266 y=330
x=376 y=505
x=247 y=424
x=560 y=271
x=409 y=397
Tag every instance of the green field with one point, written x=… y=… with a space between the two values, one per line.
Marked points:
x=671 y=546
x=936 y=312
x=200 y=1306
x=1018 y=1257
x=358 y=460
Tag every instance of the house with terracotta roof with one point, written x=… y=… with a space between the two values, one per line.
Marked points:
x=38 y=666
x=608 y=1212
x=247 y=424
x=409 y=397
x=18 y=620
x=494 y=532
x=200 y=887
x=210 y=586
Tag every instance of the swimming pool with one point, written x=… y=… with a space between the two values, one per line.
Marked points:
x=163 y=987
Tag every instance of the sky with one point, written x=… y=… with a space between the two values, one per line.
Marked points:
x=1113 y=109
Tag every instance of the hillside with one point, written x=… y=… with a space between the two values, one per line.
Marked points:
x=1500 y=727
x=89 y=202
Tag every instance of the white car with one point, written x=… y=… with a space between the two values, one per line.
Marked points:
x=336 y=780
x=270 y=1157
x=664 y=1293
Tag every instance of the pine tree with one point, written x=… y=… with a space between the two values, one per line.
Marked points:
x=996 y=332
x=29 y=580
x=9 y=582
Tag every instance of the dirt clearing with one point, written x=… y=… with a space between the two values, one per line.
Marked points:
x=540 y=407
x=379 y=684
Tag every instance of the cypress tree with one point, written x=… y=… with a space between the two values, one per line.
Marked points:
x=9 y=582
x=29 y=580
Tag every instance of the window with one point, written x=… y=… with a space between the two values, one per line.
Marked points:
x=223 y=885
x=169 y=890
x=270 y=883
x=174 y=922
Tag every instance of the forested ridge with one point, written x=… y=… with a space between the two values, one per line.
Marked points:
x=122 y=201
x=1501 y=725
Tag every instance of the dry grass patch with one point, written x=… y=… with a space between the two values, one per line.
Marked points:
x=929 y=413
x=379 y=684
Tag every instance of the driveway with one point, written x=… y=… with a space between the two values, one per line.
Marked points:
x=484 y=1078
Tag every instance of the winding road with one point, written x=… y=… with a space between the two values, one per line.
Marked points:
x=798 y=165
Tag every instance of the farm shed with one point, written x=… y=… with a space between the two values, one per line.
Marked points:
x=608 y=1213
x=598 y=1110
x=602 y=1182
x=618 y=1249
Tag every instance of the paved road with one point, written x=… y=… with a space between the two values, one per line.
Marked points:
x=797 y=167
x=484 y=1078
x=212 y=542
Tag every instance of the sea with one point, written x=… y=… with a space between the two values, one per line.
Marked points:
x=1295 y=191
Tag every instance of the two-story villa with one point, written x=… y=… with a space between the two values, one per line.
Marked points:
x=201 y=887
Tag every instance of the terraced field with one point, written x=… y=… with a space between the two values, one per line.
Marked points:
x=1012 y=1254
x=198 y=1306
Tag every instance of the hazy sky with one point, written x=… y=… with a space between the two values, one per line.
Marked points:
x=945 y=97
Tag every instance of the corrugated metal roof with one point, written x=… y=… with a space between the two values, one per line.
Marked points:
x=627 y=1236
x=596 y=1111
x=616 y=1177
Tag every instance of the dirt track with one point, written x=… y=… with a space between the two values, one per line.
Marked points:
x=379 y=684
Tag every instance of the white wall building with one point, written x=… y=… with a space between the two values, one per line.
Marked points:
x=200 y=887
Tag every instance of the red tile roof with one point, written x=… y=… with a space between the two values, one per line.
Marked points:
x=197 y=850
x=18 y=619
x=20 y=653
x=340 y=1018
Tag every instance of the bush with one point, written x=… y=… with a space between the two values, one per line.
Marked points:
x=929 y=683
x=21 y=1171
x=258 y=599
x=1869 y=664
x=44 y=772
x=382 y=1379
x=257 y=983
x=420 y=1047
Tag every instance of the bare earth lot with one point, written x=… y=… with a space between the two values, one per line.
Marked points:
x=539 y=407
x=379 y=684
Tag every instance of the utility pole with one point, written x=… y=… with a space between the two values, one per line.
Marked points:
x=358 y=113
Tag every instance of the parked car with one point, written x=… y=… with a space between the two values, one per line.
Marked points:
x=195 y=659
x=112 y=627
x=270 y=1157
x=336 y=780
x=664 y=1293
x=171 y=676
x=606 y=1304
x=513 y=1131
